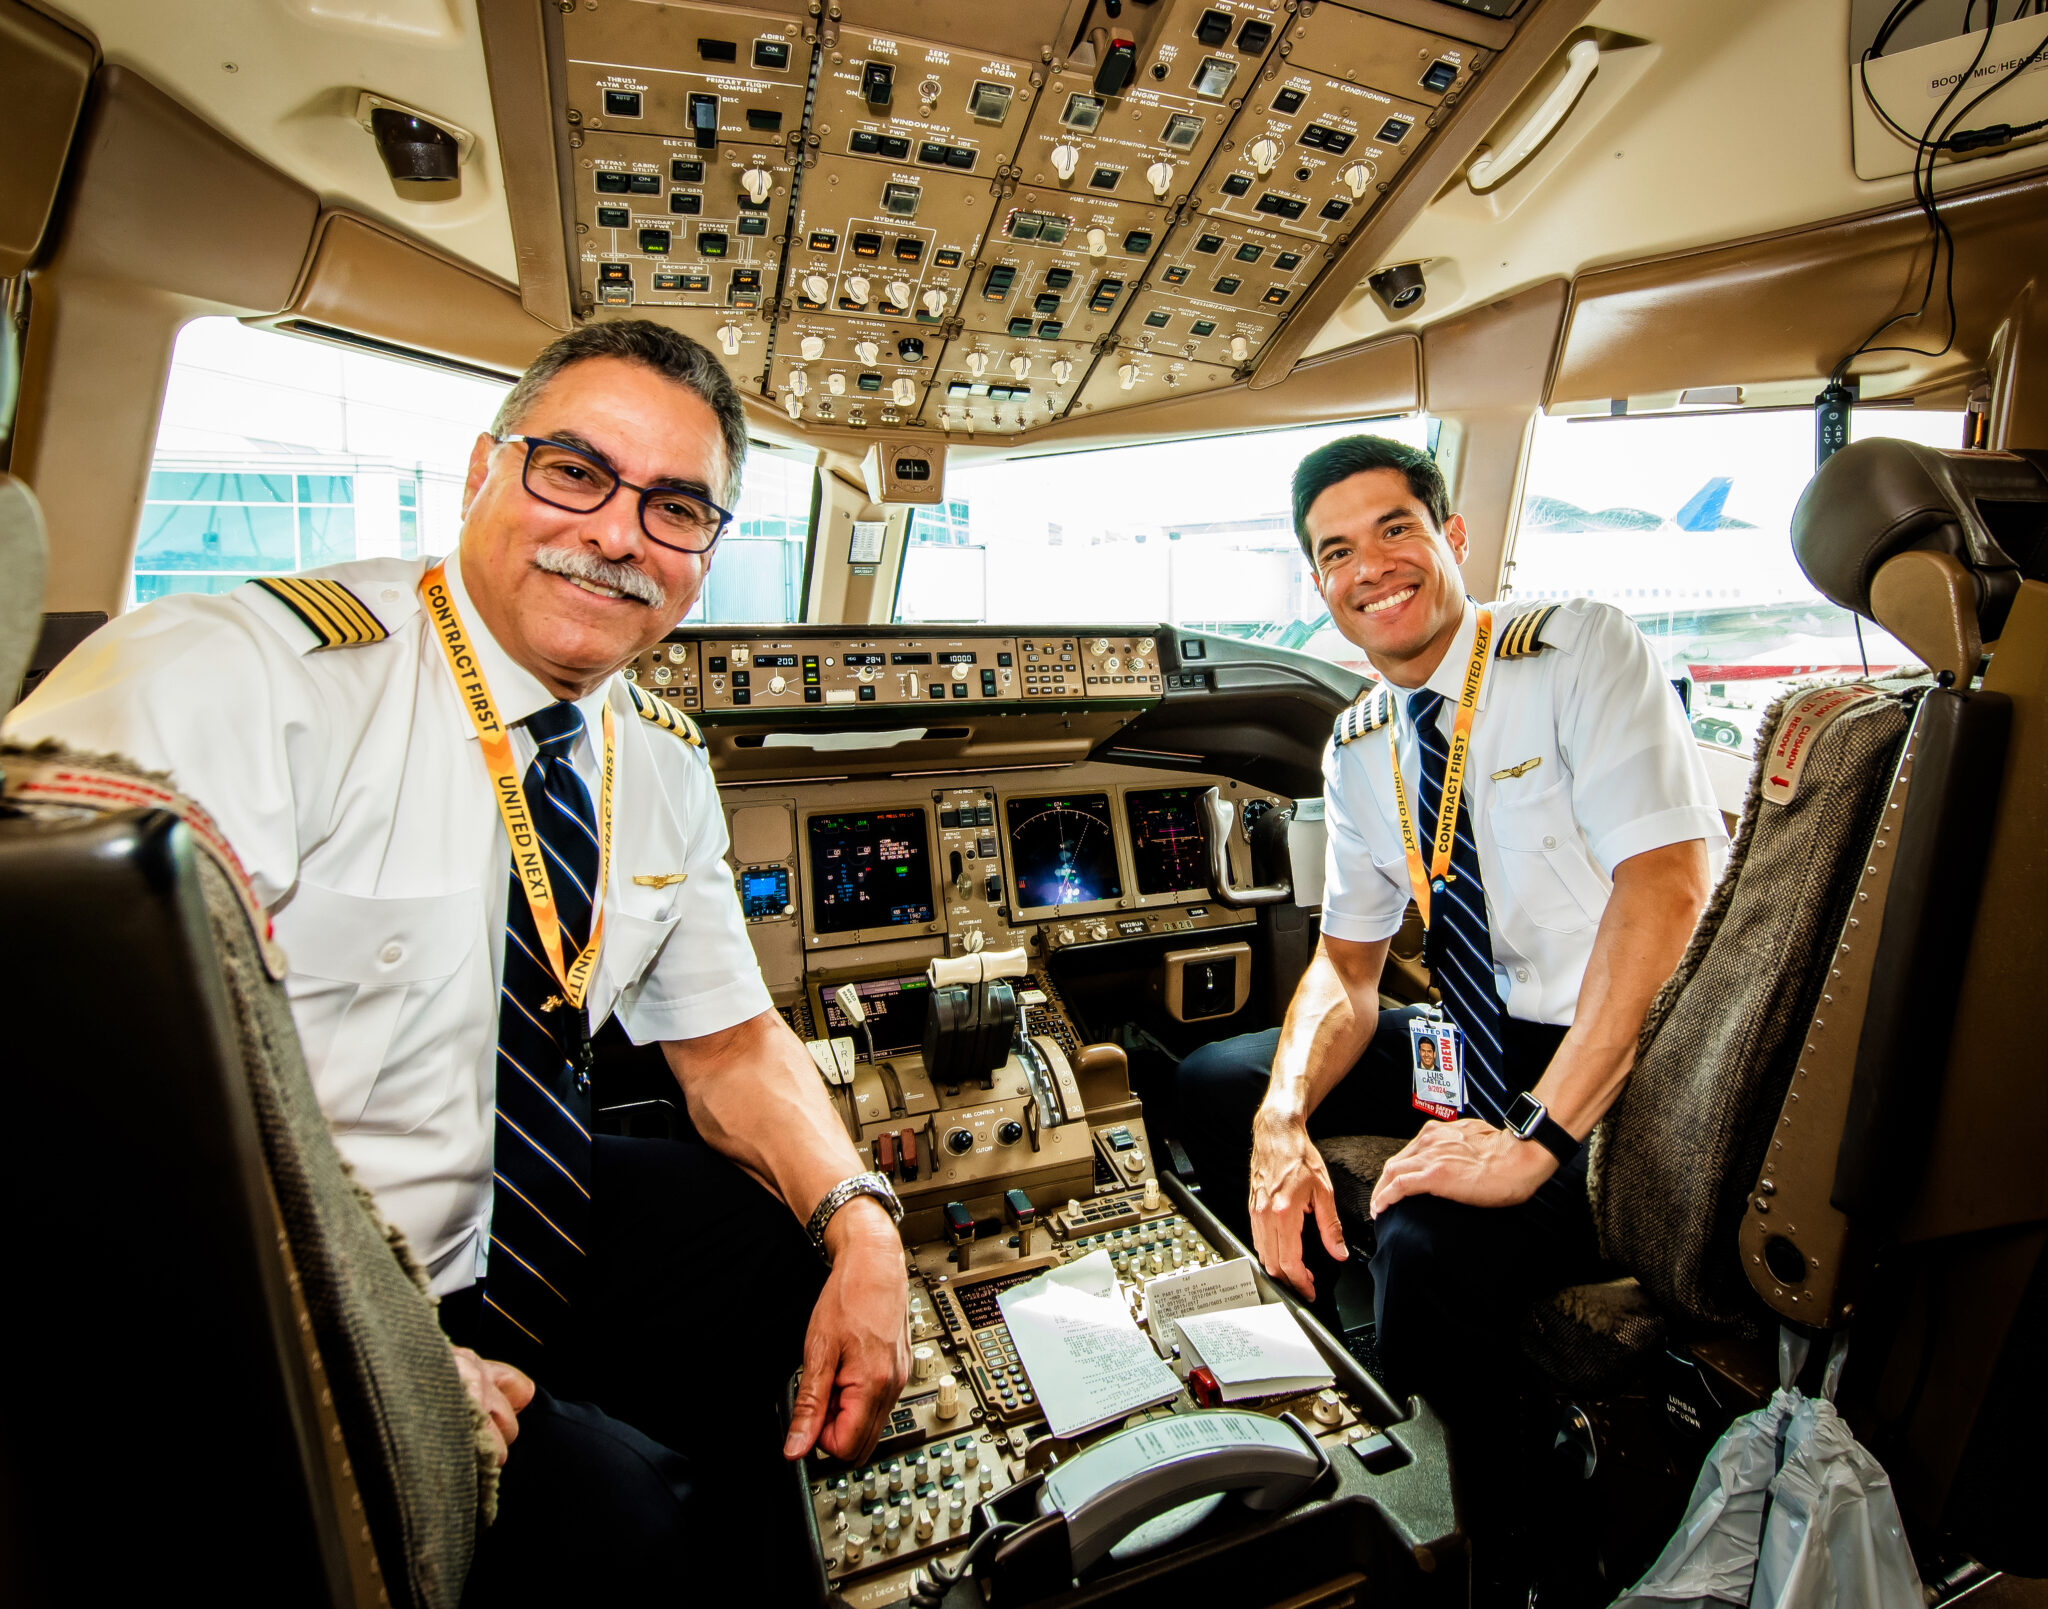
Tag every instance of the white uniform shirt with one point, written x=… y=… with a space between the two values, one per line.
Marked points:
x=350 y=783
x=1617 y=772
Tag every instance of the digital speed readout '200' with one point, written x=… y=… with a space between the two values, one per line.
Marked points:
x=1063 y=850
x=869 y=868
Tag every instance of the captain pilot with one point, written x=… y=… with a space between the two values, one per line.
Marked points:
x=478 y=843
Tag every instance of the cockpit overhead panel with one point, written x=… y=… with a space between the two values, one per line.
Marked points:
x=887 y=212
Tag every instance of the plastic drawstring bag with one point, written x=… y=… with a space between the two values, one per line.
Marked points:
x=1833 y=1534
x=1789 y=1512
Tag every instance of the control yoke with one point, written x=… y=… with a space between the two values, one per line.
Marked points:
x=1219 y=815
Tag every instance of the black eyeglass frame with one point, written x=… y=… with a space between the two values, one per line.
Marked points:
x=647 y=493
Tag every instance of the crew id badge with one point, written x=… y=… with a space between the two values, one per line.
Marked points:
x=1436 y=1059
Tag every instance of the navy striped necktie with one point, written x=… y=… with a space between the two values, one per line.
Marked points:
x=540 y=1208
x=1459 y=952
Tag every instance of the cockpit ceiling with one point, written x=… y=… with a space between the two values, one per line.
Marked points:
x=981 y=228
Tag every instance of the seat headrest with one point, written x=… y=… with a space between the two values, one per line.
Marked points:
x=1876 y=499
x=23 y=555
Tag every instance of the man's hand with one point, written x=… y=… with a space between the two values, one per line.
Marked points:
x=1467 y=1161
x=500 y=1390
x=857 y=1351
x=1288 y=1181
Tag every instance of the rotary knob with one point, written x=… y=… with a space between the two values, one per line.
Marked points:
x=903 y=391
x=1112 y=664
x=973 y=942
x=1127 y=375
x=1062 y=371
x=1099 y=931
x=977 y=364
x=1137 y=663
x=857 y=288
x=1240 y=349
x=899 y=292
x=812 y=347
x=793 y=405
x=948 y=1405
x=959 y=673
x=1146 y=645
x=740 y=656
x=1264 y=152
x=835 y=382
x=678 y=654
x=757 y=182
x=1020 y=365
x=1160 y=176
x=1099 y=646
x=1098 y=243
x=662 y=673
x=935 y=302
x=816 y=288
x=1063 y=935
x=1066 y=158
x=729 y=339
x=1356 y=178
x=799 y=382
x=865 y=674
x=867 y=352
x=776 y=684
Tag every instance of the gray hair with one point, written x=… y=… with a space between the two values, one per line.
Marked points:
x=668 y=353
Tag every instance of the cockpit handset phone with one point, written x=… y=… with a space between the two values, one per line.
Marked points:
x=1189 y=1462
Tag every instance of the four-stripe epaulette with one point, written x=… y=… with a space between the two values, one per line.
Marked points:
x=665 y=715
x=1374 y=708
x=1523 y=635
x=327 y=609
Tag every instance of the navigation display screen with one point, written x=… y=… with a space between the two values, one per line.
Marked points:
x=896 y=1013
x=1166 y=840
x=869 y=868
x=1063 y=850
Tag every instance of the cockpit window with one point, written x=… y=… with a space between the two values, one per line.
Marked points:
x=1196 y=532
x=278 y=454
x=1683 y=521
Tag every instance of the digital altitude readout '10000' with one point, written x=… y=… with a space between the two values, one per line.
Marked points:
x=869 y=869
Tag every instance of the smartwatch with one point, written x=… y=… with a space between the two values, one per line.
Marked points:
x=1529 y=1119
x=861 y=1184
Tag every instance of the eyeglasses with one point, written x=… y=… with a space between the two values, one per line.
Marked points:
x=567 y=477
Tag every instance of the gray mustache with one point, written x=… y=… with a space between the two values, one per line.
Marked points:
x=582 y=566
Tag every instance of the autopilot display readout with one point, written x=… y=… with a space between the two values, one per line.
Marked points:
x=869 y=869
x=896 y=1009
x=1063 y=850
x=1166 y=840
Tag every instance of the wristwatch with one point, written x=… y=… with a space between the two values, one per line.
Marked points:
x=861 y=1184
x=1529 y=1119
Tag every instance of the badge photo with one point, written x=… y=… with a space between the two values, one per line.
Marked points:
x=1436 y=1059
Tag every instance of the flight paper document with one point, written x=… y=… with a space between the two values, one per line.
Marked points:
x=1088 y=1362
x=1173 y=1297
x=1255 y=1351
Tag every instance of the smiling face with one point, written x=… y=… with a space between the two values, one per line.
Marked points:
x=537 y=574
x=1387 y=573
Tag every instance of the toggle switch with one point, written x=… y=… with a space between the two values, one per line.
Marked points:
x=799 y=382
x=793 y=406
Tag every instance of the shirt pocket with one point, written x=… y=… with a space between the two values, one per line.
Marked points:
x=631 y=944
x=1545 y=863
x=380 y=990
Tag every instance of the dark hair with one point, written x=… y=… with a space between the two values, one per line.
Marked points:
x=1355 y=455
x=669 y=354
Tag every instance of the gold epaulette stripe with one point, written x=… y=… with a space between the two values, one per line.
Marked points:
x=327 y=609
x=1369 y=713
x=664 y=716
x=1524 y=635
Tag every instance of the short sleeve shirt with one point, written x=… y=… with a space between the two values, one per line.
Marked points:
x=350 y=783
x=1581 y=757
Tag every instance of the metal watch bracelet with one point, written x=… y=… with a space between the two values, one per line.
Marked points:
x=861 y=1184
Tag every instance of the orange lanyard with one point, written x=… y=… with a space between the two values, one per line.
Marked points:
x=527 y=857
x=1454 y=779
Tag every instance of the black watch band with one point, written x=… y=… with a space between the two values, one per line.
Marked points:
x=1528 y=1119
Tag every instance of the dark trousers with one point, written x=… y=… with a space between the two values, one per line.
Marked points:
x=649 y=1463
x=1450 y=1281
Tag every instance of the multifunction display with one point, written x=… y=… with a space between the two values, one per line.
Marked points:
x=896 y=1011
x=1166 y=840
x=764 y=892
x=1064 y=850
x=869 y=869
